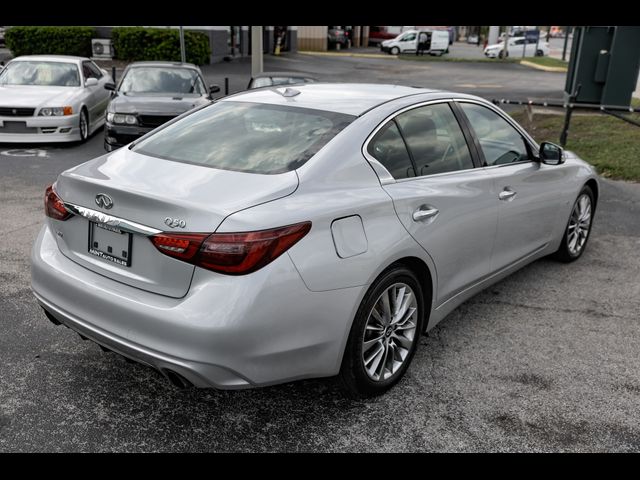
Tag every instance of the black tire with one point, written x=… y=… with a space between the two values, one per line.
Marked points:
x=84 y=133
x=564 y=253
x=539 y=53
x=394 y=51
x=352 y=371
x=501 y=54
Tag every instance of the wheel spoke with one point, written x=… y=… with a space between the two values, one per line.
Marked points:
x=389 y=333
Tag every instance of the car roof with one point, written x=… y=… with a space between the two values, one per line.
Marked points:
x=157 y=63
x=349 y=98
x=52 y=58
x=283 y=74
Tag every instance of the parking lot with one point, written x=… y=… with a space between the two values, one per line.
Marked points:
x=545 y=360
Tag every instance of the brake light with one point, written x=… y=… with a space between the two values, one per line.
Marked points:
x=53 y=205
x=231 y=253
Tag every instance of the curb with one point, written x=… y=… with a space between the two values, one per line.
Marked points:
x=544 y=68
x=335 y=54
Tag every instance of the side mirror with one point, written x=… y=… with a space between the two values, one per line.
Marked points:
x=551 y=154
x=214 y=88
x=110 y=86
x=91 y=82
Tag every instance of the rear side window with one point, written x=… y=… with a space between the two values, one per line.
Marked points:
x=388 y=147
x=246 y=137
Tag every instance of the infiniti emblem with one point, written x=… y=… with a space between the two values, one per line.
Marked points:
x=14 y=111
x=104 y=201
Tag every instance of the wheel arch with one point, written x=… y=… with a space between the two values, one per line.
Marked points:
x=425 y=277
x=593 y=185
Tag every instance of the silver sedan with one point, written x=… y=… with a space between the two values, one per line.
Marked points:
x=305 y=231
x=52 y=98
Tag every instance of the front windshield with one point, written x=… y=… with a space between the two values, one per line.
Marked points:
x=33 y=72
x=162 y=80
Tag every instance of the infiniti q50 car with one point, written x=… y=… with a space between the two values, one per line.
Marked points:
x=308 y=231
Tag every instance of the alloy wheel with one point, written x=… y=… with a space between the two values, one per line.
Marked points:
x=390 y=332
x=579 y=224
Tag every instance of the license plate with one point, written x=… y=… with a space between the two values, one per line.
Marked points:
x=110 y=243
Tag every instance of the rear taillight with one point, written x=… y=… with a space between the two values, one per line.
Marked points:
x=231 y=253
x=53 y=205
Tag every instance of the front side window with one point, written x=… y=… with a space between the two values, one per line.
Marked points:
x=90 y=70
x=390 y=150
x=500 y=142
x=33 y=72
x=408 y=37
x=159 y=80
x=435 y=139
x=246 y=137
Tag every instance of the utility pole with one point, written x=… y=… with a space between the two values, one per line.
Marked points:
x=505 y=50
x=494 y=33
x=183 y=53
x=566 y=41
x=257 y=61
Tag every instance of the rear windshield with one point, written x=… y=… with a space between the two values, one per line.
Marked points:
x=246 y=137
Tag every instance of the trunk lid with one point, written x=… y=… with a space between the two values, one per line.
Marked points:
x=148 y=190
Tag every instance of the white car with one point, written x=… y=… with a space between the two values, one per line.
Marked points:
x=47 y=98
x=516 y=47
x=435 y=42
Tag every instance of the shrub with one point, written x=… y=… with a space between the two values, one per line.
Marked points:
x=50 y=40
x=137 y=43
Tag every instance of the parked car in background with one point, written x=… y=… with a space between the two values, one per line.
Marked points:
x=275 y=236
x=150 y=94
x=337 y=38
x=473 y=38
x=268 y=79
x=517 y=46
x=379 y=34
x=52 y=98
x=407 y=42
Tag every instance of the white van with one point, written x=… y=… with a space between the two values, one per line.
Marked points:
x=436 y=42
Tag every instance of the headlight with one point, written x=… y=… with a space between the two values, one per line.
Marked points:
x=122 y=118
x=56 y=111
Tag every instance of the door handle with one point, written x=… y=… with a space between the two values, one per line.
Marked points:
x=507 y=194
x=425 y=212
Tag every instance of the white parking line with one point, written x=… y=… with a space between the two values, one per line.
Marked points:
x=21 y=152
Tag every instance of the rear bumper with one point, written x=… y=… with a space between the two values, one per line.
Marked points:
x=227 y=332
x=41 y=129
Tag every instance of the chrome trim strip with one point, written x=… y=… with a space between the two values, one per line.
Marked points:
x=121 y=223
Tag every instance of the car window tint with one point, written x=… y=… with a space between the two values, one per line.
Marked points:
x=501 y=143
x=435 y=139
x=91 y=70
x=390 y=150
x=246 y=137
x=409 y=37
x=153 y=79
x=261 y=82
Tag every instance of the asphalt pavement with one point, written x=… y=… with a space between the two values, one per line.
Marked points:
x=545 y=360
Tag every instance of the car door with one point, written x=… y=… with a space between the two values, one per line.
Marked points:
x=516 y=47
x=97 y=95
x=441 y=198
x=408 y=42
x=527 y=191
